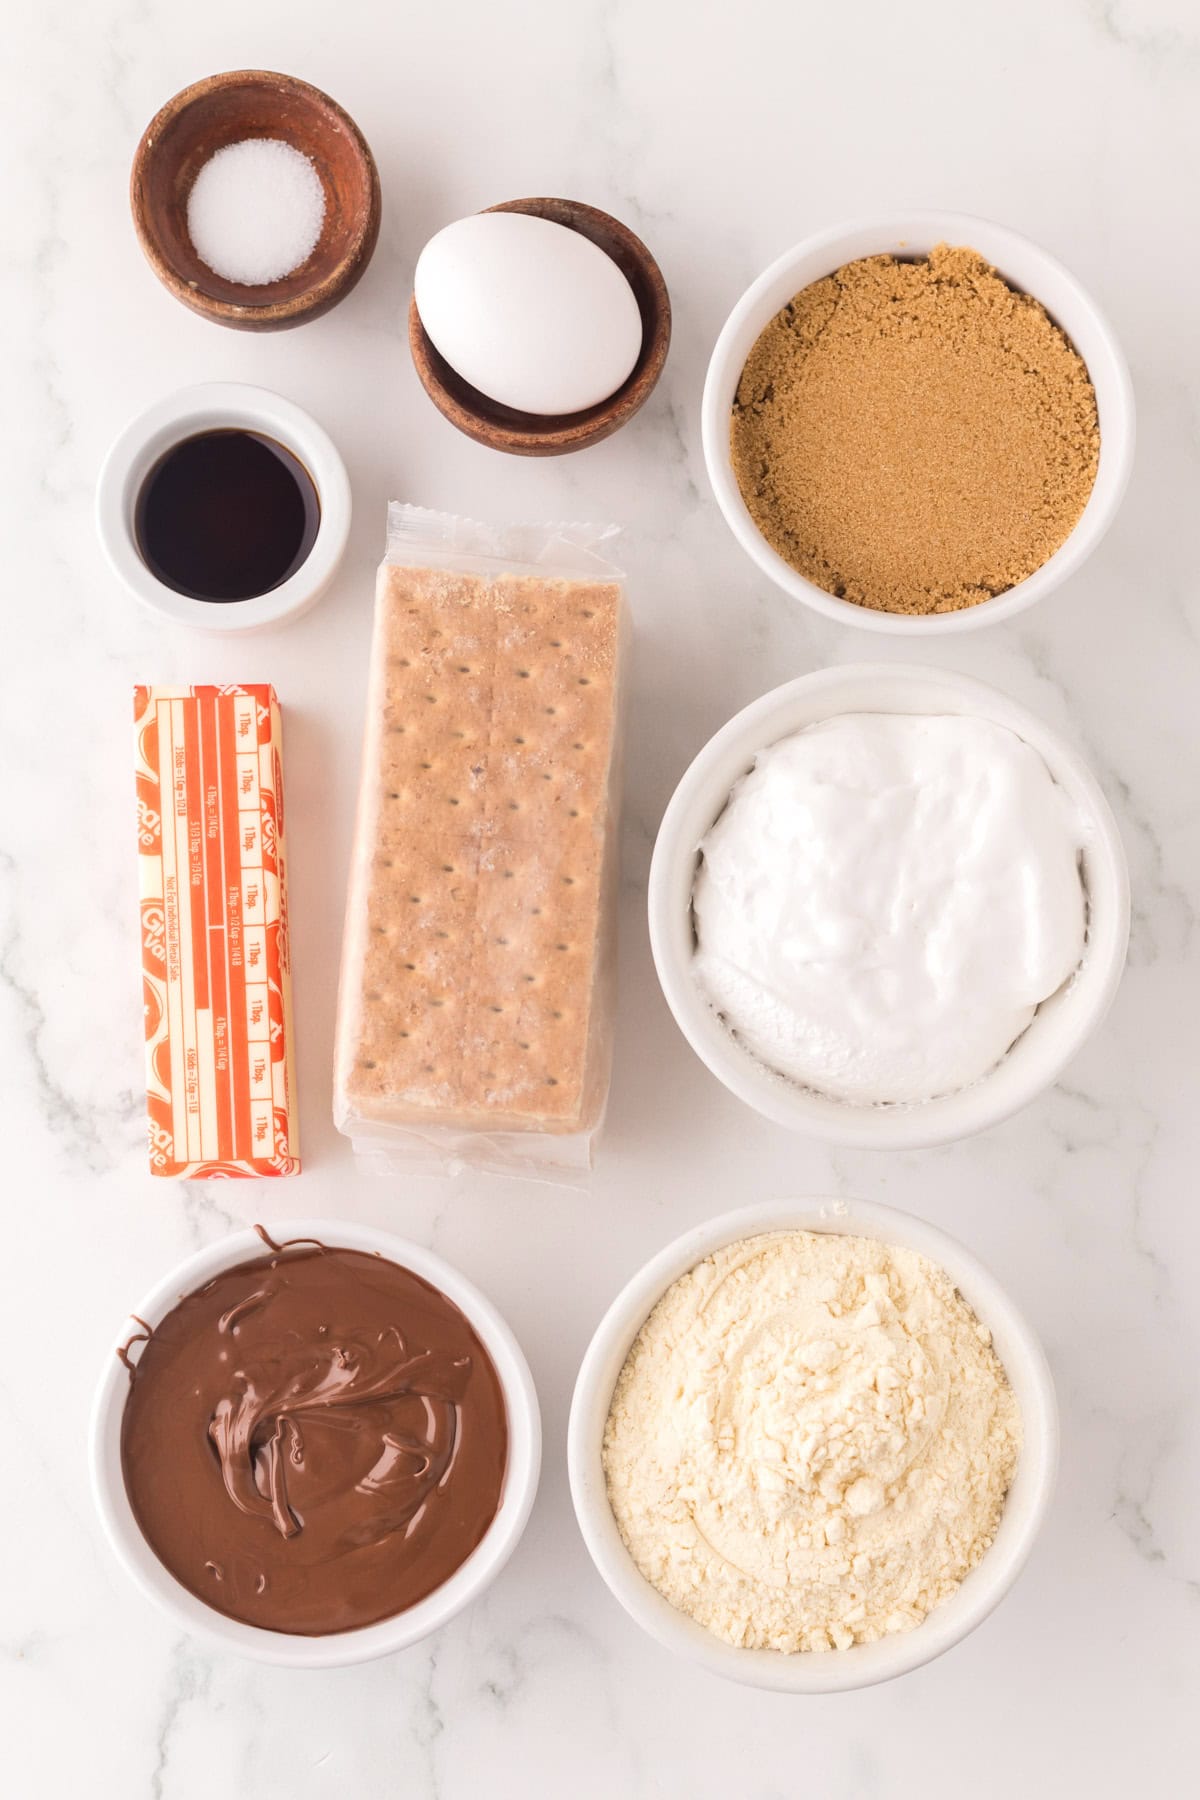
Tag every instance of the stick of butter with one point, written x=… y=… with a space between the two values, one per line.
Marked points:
x=216 y=976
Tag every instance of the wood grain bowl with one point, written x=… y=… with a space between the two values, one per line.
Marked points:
x=224 y=109
x=528 y=434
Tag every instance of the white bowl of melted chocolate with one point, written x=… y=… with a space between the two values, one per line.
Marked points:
x=315 y=1446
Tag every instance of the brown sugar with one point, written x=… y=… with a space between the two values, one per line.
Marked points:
x=915 y=436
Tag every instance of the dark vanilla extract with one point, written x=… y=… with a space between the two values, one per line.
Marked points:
x=226 y=515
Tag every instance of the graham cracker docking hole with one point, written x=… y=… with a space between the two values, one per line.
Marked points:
x=475 y=993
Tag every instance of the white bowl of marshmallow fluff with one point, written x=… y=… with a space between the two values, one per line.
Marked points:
x=888 y=905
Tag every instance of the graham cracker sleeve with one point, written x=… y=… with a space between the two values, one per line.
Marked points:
x=475 y=1011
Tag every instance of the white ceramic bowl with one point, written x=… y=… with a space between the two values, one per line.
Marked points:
x=341 y=1648
x=1022 y=264
x=219 y=406
x=1024 y=1510
x=1061 y=1024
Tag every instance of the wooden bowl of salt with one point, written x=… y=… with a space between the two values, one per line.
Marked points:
x=287 y=215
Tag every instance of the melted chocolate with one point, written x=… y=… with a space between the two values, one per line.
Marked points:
x=313 y=1441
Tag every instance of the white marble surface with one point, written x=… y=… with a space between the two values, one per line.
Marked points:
x=723 y=133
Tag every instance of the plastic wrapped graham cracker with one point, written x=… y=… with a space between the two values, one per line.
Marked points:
x=215 y=968
x=476 y=1003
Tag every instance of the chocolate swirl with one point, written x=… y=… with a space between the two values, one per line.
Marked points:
x=314 y=1440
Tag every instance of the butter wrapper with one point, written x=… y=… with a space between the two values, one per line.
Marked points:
x=216 y=975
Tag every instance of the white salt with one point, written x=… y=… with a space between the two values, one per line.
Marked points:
x=256 y=210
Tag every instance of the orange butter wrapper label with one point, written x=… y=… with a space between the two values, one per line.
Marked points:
x=216 y=975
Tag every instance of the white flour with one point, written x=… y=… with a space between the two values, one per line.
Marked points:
x=810 y=1442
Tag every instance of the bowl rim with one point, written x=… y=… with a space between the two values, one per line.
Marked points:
x=530 y=434
x=366 y=1643
x=214 y=405
x=312 y=301
x=1019 y=1078
x=981 y=1590
x=1108 y=370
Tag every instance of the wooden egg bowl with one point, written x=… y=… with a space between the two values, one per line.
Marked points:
x=531 y=434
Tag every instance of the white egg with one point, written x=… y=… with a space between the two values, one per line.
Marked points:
x=531 y=313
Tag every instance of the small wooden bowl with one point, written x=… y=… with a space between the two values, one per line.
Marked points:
x=531 y=434
x=224 y=109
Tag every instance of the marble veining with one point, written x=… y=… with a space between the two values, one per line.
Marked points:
x=722 y=133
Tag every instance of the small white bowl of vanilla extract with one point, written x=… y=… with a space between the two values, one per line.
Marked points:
x=224 y=507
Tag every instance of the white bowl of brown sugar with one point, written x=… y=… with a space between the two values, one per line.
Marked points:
x=918 y=424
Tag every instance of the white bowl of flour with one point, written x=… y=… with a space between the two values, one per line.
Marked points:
x=862 y=1429
x=861 y=911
